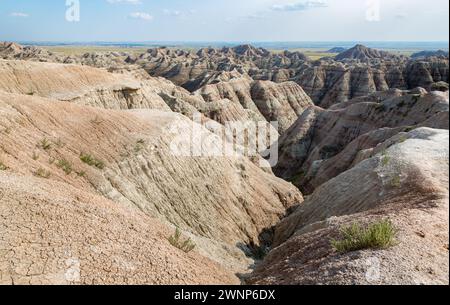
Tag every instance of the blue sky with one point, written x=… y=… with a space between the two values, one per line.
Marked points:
x=226 y=20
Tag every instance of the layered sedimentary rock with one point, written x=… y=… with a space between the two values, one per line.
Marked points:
x=142 y=160
x=357 y=72
x=78 y=84
x=324 y=143
x=403 y=180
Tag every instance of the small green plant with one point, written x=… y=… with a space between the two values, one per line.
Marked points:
x=385 y=158
x=175 y=240
x=396 y=181
x=81 y=173
x=92 y=161
x=379 y=235
x=51 y=160
x=42 y=173
x=3 y=167
x=65 y=165
x=402 y=139
x=45 y=144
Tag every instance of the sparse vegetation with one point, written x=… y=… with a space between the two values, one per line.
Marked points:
x=385 y=158
x=410 y=128
x=298 y=177
x=42 y=173
x=3 y=167
x=92 y=161
x=379 y=235
x=175 y=240
x=45 y=144
x=396 y=181
x=81 y=173
x=65 y=165
x=35 y=156
x=139 y=145
x=402 y=139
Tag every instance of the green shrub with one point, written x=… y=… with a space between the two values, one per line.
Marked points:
x=65 y=165
x=379 y=235
x=176 y=241
x=3 y=167
x=92 y=161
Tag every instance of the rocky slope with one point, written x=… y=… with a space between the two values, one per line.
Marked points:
x=134 y=159
x=53 y=234
x=405 y=180
x=325 y=143
x=270 y=101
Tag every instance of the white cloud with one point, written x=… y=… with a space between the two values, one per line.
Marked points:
x=19 y=14
x=141 y=15
x=299 y=6
x=125 y=1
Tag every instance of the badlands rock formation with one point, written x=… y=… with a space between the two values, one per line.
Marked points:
x=425 y=54
x=137 y=167
x=324 y=143
x=100 y=162
x=356 y=72
x=405 y=180
x=363 y=53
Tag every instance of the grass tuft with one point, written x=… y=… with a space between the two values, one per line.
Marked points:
x=45 y=144
x=379 y=235
x=3 y=167
x=92 y=161
x=175 y=240
x=65 y=165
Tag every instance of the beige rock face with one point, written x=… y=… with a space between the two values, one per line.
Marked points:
x=410 y=189
x=79 y=84
x=283 y=102
x=141 y=171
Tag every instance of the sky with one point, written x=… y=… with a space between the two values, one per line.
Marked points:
x=224 y=20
